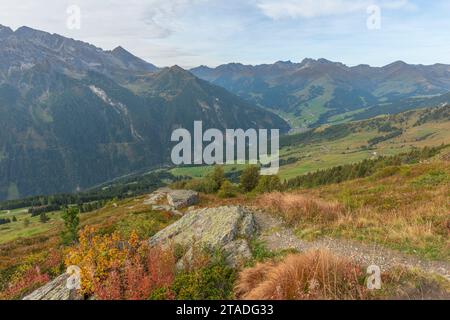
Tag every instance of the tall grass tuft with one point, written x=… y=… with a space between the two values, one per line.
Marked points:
x=315 y=275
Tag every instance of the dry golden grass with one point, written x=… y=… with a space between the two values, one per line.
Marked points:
x=295 y=207
x=315 y=275
x=407 y=211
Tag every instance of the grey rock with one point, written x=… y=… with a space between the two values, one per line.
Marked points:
x=248 y=225
x=54 y=290
x=182 y=198
x=223 y=228
x=237 y=252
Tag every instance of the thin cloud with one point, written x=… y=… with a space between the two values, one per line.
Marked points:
x=162 y=16
x=278 y=9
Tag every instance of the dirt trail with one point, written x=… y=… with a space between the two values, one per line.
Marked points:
x=279 y=237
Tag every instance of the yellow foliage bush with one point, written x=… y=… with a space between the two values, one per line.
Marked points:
x=96 y=255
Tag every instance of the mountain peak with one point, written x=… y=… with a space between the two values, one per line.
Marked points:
x=397 y=64
x=5 y=28
x=27 y=31
x=131 y=61
x=288 y=62
x=179 y=71
x=173 y=75
x=5 y=31
x=120 y=52
x=119 y=49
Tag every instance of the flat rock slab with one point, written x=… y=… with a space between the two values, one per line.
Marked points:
x=226 y=228
x=179 y=199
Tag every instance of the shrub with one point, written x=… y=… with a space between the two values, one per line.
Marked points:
x=432 y=179
x=217 y=176
x=43 y=218
x=214 y=281
x=148 y=275
x=249 y=178
x=268 y=184
x=71 y=222
x=227 y=190
x=180 y=184
x=260 y=252
x=27 y=281
x=310 y=276
x=33 y=271
x=116 y=269
x=202 y=185
x=387 y=172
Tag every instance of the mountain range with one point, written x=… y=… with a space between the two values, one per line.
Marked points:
x=73 y=115
x=316 y=92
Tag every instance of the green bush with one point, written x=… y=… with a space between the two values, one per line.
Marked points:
x=180 y=184
x=432 y=179
x=202 y=185
x=387 y=172
x=71 y=223
x=217 y=177
x=268 y=184
x=249 y=178
x=260 y=251
x=228 y=190
x=213 y=282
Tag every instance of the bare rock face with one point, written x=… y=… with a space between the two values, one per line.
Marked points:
x=224 y=228
x=54 y=290
x=179 y=199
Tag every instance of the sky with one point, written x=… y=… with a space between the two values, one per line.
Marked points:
x=190 y=33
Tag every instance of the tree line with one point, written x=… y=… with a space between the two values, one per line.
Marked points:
x=125 y=188
x=361 y=169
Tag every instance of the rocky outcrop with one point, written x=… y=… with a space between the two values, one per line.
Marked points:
x=157 y=196
x=227 y=229
x=169 y=200
x=224 y=228
x=54 y=290
x=179 y=199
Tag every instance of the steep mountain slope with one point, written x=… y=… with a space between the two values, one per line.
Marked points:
x=186 y=98
x=73 y=115
x=314 y=92
x=26 y=47
x=64 y=134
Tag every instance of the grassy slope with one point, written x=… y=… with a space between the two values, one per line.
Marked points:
x=351 y=148
x=407 y=210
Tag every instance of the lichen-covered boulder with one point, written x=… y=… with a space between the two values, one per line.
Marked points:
x=179 y=199
x=54 y=290
x=226 y=228
x=157 y=196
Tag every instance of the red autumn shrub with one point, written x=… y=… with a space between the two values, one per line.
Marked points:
x=21 y=284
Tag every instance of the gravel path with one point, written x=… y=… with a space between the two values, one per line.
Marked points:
x=279 y=237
